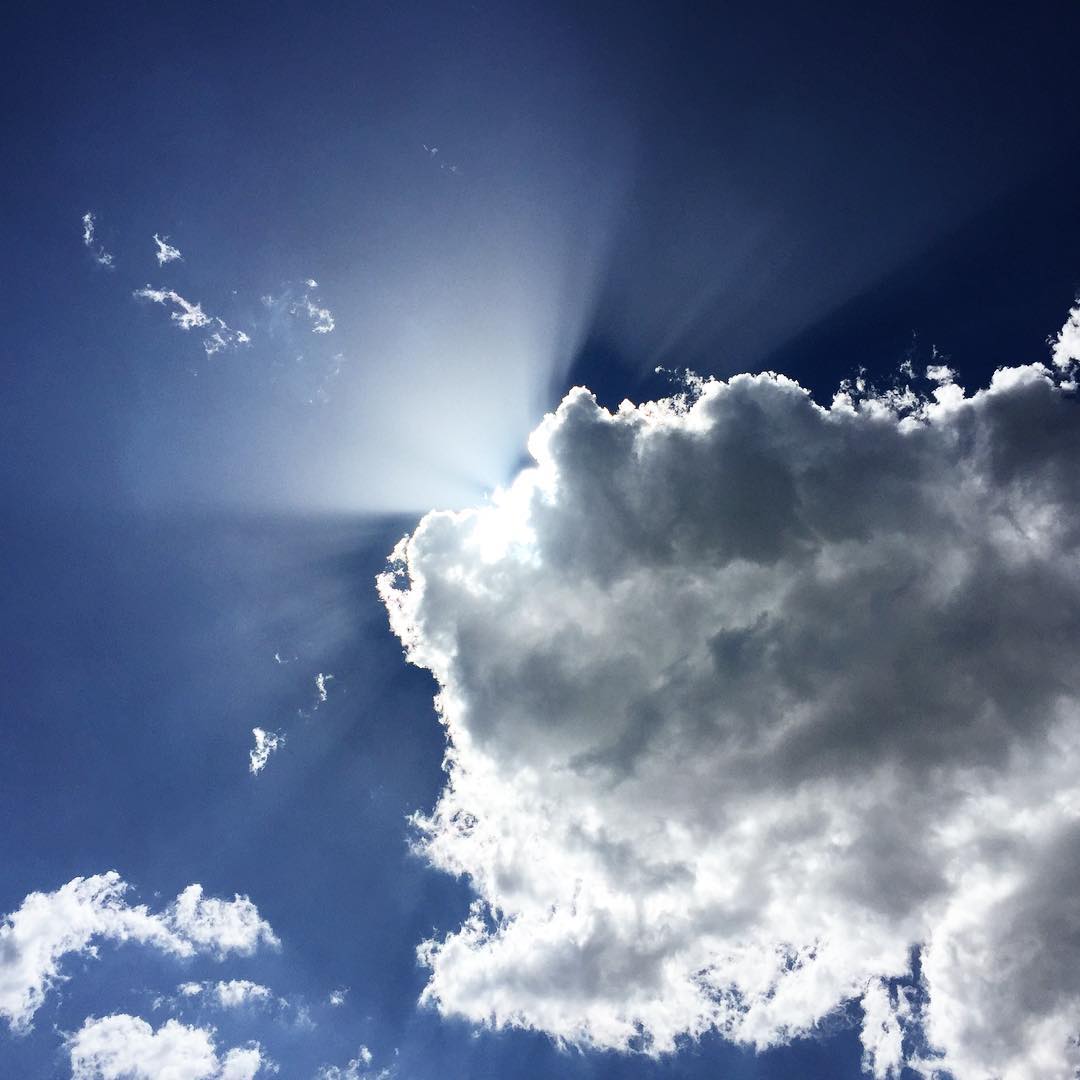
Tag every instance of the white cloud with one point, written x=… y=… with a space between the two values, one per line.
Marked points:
x=223 y=337
x=49 y=926
x=748 y=698
x=187 y=315
x=165 y=253
x=444 y=166
x=101 y=256
x=190 y=316
x=235 y=993
x=337 y=997
x=123 y=1047
x=322 y=320
x=940 y=373
x=306 y=306
x=1066 y=345
x=221 y=926
x=887 y=1015
x=359 y=1068
x=229 y=993
x=266 y=742
x=321 y=689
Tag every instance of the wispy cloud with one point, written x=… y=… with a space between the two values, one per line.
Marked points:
x=444 y=165
x=266 y=742
x=359 y=1068
x=306 y=306
x=187 y=316
x=190 y=316
x=166 y=253
x=229 y=993
x=322 y=321
x=224 y=337
x=101 y=256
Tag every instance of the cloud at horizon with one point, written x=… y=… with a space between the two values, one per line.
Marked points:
x=756 y=709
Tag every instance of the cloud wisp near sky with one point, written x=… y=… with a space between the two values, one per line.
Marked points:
x=542 y=542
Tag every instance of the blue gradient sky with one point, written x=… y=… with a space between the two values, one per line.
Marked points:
x=724 y=187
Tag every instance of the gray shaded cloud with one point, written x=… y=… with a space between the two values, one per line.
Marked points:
x=749 y=700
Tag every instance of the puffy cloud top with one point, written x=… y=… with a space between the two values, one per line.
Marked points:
x=123 y=1047
x=751 y=701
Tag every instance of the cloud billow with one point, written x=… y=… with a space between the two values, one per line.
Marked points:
x=49 y=928
x=748 y=702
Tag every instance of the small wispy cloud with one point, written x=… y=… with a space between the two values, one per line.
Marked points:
x=332 y=370
x=166 y=253
x=190 y=316
x=101 y=256
x=266 y=742
x=229 y=993
x=322 y=320
x=444 y=165
x=321 y=688
x=187 y=315
x=224 y=337
x=337 y=997
x=360 y=1067
x=306 y=306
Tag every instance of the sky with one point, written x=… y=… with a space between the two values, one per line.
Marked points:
x=541 y=541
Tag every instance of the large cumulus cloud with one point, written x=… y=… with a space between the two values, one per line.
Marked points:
x=751 y=703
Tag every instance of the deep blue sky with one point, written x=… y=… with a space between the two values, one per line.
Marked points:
x=723 y=187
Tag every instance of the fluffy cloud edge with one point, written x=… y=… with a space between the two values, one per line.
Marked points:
x=49 y=927
x=126 y=1047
